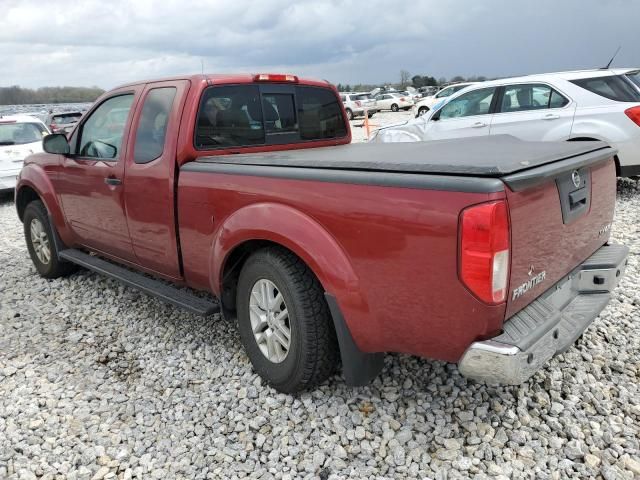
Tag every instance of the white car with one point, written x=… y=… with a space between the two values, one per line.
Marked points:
x=573 y=106
x=20 y=136
x=393 y=101
x=427 y=103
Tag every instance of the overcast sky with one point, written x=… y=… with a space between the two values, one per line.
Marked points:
x=106 y=43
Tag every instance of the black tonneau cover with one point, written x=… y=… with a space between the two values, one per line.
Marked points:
x=492 y=156
x=472 y=164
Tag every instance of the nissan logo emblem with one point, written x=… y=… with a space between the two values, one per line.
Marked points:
x=575 y=177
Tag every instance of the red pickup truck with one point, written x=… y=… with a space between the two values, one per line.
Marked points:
x=492 y=253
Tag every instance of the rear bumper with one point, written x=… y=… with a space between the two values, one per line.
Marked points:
x=550 y=324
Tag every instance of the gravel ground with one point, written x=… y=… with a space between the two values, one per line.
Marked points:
x=98 y=381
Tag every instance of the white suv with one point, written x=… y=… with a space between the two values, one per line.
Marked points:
x=574 y=106
x=355 y=104
x=20 y=136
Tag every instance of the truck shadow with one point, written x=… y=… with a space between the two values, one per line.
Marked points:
x=6 y=198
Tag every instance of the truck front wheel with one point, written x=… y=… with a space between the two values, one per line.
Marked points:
x=39 y=237
x=284 y=321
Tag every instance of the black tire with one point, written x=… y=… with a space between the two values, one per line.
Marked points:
x=54 y=268
x=313 y=352
x=422 y=111
x=394 y=108
x=349 y=114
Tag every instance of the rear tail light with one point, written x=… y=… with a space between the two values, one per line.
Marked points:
x=484 y=250
x=53 y=126
x=358 y=104
x=634 y=114
x=275 y=77
x=402 y=99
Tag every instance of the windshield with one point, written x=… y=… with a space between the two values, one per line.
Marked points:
x=21 y=133
x=66 y=118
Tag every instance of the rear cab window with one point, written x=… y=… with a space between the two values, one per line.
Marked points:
x=613 y=87
x=267 y=114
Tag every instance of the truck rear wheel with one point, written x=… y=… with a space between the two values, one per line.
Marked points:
x=284 y=321
x=42 y=249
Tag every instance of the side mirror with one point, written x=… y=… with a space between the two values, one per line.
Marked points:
x=56 y=143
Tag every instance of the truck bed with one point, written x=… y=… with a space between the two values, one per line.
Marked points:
x=494 y=156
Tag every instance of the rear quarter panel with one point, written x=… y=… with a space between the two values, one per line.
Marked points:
x=399 y=249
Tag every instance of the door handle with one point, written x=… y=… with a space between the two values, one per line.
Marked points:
x=479 y=125
x=551 y=116
x=113 y=181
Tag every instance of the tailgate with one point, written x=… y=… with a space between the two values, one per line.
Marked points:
x=560 y=214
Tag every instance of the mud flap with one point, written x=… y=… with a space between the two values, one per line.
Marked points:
x=359 y=368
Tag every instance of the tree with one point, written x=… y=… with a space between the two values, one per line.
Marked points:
x=18 y=96
x=457 y=79
x=404 y=79
x=417 y=81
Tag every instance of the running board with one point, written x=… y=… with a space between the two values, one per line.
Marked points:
x=156 y=288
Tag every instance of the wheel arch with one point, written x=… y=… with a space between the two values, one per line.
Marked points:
x=24 y=196
x=288 y=228
x=259 y=225
x=35 y=184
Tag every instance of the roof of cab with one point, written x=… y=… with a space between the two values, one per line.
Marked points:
x=223 y=78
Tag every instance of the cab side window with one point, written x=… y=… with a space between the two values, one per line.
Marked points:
x=525 y=97
x=152 y=127
x=476 y=102
x=103 y=131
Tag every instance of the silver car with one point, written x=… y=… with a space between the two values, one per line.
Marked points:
x=62 y=122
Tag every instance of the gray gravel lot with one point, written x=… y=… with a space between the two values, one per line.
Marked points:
x=98 y=381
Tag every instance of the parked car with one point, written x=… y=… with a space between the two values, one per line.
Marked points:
x=393 y=101
x=427 y=103
x=573 y=106
x=62 y=122
x=20 y=136
x=493 y=253
x=356 y=103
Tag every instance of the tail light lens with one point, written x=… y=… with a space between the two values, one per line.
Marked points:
x=402 y=99
x=484 y=251
x=53 y=126
x=634 y=114
x=358 y=104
